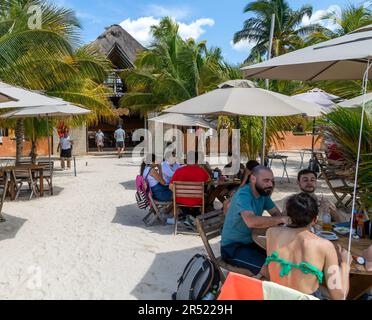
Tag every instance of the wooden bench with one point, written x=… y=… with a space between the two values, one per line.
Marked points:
x=209 y=226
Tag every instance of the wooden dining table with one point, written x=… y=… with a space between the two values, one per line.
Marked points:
x=220 y=189
x=34 y=168
x=360 y=277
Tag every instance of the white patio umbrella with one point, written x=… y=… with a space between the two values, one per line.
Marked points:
x=245 y=102
x=64 y=110
x=182 y=120
x=25 y=98
x=357 y=101
x=318 y=96
x=321 y=98
x=345 y=58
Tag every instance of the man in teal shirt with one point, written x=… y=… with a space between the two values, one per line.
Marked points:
x=245 y=213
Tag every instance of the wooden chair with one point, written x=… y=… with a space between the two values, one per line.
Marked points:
x=4 y=188
x=47 y=174
x=158 y=211
x=190 y=190
x=22 y=175
x=344 y=192
x=209 y=227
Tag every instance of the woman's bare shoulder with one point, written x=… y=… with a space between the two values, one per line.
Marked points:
x=274 y=230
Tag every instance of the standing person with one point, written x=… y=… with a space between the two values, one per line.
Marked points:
x=100 y=140
x=119 y=136
x=65 y=145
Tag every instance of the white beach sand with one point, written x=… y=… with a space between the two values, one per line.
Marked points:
x=88 y=241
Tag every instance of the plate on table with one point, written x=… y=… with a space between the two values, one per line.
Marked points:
x=327 y=235
x=341 y=230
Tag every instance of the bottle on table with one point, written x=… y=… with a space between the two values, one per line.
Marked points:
x=326 y=218
x=360 y=225
x=326 y=221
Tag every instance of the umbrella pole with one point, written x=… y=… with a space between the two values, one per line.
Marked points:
x=264 y=120
x=365 y=86
x=50 y=162
x=313 y=140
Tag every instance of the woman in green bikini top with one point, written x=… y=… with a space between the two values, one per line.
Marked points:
x=299 y=259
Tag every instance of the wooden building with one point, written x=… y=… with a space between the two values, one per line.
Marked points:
x=121 y=49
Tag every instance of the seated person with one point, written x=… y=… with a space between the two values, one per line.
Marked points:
x=240 y=174
x=307 y=182
x=154 y=177
x=250 y=165
x=245 y=213
x=191 y=173
x=301 y=260
x=169 y=167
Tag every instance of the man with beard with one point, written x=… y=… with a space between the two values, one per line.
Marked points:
x=307 y=180
x=245 y=213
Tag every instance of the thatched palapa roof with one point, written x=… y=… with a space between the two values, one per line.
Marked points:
x=119 y=46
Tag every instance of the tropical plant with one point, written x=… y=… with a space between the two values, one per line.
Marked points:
x=343 y=127
x=350 y=18
x=46 y=58
x=173 y=70
x=289 y=31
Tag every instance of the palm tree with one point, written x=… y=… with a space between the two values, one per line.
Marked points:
x=46 y=59
x=288 y=33
x=342 y=126
x=173 y=70
x=351 y=18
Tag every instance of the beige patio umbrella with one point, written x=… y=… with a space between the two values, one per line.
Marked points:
x=20 y=98
x=348 y=57
x=343 y=58
x=357 y=101
x=64 y=110
x=245 y=102
x=182 y=120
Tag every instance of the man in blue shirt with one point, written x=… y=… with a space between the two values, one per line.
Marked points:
x=245 y=213
x=119 y=136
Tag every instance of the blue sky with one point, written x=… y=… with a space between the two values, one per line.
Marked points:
x=213 y=20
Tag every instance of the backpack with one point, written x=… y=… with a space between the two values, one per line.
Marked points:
x=142 y=198
x=199 y=277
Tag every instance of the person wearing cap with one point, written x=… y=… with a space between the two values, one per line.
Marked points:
x=119 y=136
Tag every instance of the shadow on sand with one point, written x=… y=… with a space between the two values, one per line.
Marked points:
x=24 y=195
x=129 y=185
x=161 y=278
x=131 y=216
x=10 y=227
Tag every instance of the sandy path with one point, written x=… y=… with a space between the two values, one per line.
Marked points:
x=89 y=242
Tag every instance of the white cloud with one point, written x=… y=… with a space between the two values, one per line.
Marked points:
x=174 y=12
x=243 y=46
x=194 y=29
x=317 y=15
x=140 y=28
